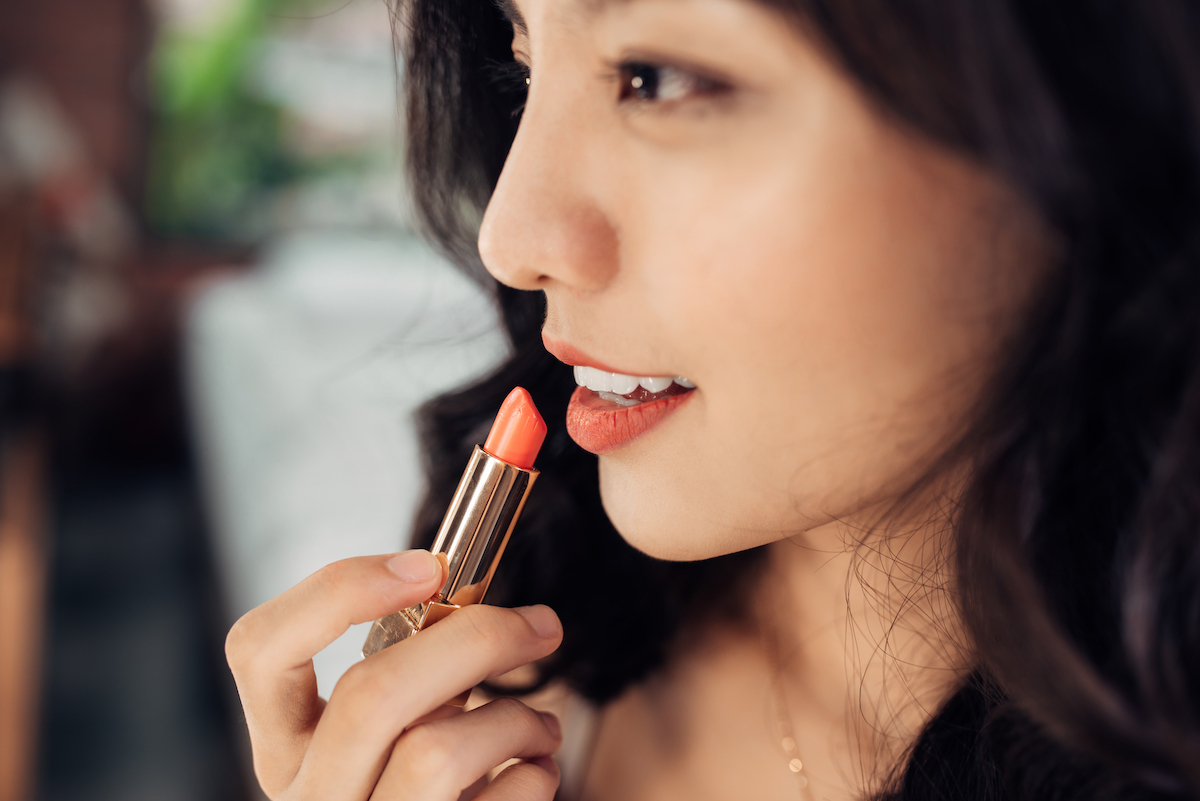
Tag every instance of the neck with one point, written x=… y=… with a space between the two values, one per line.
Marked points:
x=859 y=638
x=863 y=635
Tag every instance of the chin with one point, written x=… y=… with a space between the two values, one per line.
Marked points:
x=661 y=518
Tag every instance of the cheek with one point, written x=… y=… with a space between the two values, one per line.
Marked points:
x=838 y=321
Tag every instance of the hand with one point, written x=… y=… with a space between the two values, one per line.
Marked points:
x=383 y=734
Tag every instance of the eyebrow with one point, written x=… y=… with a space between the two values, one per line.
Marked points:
x=509 y=9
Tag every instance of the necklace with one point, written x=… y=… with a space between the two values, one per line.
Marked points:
x=786 y=731
x=787 y=740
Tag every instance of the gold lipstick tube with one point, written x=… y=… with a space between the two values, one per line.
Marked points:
x=470 y=541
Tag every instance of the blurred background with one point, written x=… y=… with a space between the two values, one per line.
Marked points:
x=216 y=321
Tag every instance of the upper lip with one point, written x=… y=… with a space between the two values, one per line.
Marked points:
x=569 y=354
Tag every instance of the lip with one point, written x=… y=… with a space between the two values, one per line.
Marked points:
x=569 y=354
x=599 y=426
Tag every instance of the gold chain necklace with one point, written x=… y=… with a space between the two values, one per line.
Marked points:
x=786 y=732
x=787 y=740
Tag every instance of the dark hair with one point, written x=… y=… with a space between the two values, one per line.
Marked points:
x=1078 y=539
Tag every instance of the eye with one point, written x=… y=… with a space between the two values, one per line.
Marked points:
x=511 y=80
x=644 y=82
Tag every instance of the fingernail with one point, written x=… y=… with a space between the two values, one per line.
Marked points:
x=542 y=619
x=415 y=567
x=551 y=723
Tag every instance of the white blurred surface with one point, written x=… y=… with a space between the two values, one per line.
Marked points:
x=303 y=379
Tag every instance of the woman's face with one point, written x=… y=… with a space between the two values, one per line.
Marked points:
x=700 y=192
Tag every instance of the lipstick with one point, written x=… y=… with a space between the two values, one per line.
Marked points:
x=600 y=425
x=478 y=523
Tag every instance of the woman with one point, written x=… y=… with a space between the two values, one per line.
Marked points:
x=928 y=524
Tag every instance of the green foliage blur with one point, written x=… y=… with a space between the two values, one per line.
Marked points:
x=216 y=148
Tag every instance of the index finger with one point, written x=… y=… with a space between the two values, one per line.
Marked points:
x=287 y=631
x=270 y=648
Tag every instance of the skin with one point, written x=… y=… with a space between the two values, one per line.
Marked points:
x=384 y=734
x=830 y=282
x=839 y=289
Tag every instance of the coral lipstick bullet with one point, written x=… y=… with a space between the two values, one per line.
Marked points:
x=478 y=523
x=519 y=431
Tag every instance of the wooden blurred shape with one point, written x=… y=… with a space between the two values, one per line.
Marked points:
x=22 y=609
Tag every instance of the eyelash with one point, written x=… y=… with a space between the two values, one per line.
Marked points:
x=637 y=81
x=643 y=82
x=512 y=78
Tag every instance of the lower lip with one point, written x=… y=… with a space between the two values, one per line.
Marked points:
x=600 y=426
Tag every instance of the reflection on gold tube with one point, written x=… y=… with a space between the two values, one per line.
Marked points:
x=470 y=541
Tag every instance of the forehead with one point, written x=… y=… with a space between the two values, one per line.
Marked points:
x=584 y=8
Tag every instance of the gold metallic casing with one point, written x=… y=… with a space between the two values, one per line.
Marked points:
x=471 y=540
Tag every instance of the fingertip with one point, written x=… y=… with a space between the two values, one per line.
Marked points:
x=542 y=620
x=552 y=723
x=415 y=567
x=546 y=763
x=530 y=778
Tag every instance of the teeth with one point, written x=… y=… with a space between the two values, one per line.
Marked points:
x=617 y=399
x=593 y=379
x=617 y=384
x=599 y=380
x=654 y=383
x=624 y=384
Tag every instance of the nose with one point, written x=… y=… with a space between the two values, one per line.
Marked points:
x=543 y=225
